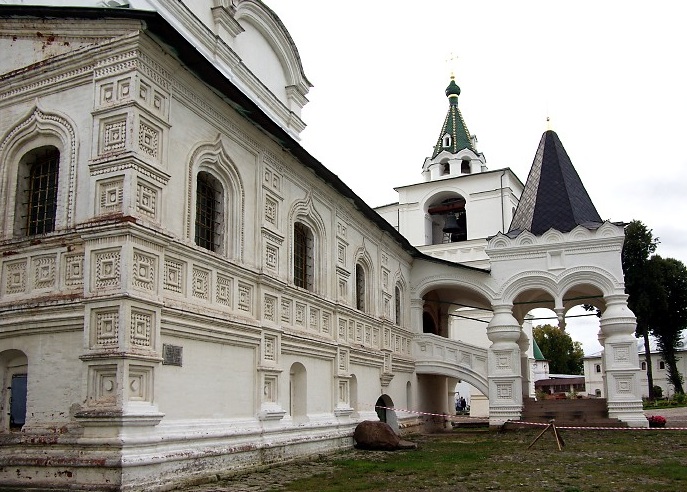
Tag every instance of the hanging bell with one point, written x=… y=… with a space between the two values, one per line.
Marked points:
x=451 y=224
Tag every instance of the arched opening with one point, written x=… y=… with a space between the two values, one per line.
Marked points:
x=303 y=256
x=209 y=231
x=14 y=379
x=428 y=324
x=298 y=392
x=36 y=205
x=385 y=412
x=449 y=219
x=409 y=396
x=360 y=288
x=465 y=166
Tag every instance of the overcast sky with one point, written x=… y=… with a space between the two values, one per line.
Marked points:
x=611 y=75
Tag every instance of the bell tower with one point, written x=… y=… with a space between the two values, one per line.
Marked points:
x=455 y=151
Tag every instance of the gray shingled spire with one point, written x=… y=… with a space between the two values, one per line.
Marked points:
x=554 y=196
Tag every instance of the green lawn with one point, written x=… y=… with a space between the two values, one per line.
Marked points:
x=473 y=460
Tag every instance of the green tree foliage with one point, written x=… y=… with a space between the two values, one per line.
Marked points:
x=639 y=245
x=670 y=312
x=657 y=290
x=564 y=355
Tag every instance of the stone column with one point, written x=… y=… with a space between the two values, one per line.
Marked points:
x=621 y=362
x=504 y=373
x=525 y=369
x=416 y=307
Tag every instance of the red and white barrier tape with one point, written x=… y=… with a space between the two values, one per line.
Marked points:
x=540 y=424
x=519 y=422
x=417 y=412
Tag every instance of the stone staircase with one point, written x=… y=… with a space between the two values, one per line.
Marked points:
x=581 y=412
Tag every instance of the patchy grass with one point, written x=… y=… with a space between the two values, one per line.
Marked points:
x=474 y=460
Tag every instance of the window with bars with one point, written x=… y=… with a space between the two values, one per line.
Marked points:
x=397 y=305
x=40 y=191
x=303 y=256
x=360 y=287
x=209 y=212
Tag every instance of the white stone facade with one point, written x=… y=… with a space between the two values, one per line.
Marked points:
x=141 y=344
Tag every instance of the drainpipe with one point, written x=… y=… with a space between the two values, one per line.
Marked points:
x=503 y=212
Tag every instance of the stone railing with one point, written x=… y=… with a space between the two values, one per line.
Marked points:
x=442 y=356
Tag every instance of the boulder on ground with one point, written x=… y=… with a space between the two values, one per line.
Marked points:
x=379 y=436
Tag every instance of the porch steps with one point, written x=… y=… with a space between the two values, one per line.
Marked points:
x=581 y=412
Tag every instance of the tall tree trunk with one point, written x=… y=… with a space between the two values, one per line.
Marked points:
x=649 y=369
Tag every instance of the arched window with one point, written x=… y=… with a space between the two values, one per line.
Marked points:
x=303 y=256
x=597 y=368
x=446 y=141
x=360 y=288
x=397 y=305
x=465 y=166
x=661 y=364
x=445 y=168
x=209 y=212
x=643 y=366
x=37 y=191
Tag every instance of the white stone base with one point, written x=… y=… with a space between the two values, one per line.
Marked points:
x=176 y=454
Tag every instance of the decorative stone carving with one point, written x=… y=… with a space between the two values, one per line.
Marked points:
x=314 y=323
x=113 y=135
x=269 y=350
x=73 y=272
x=300 y=314
x=224 y=290
x=270 y=308
x=149 y=139
x=14 y=274
x=107 y=269
x=271 y=211
x=44 y=272
x=245 y=302
x=146 y=199
x=326 y=323
x=111 y=193
x=201 y=284
x=141 y=329
x=271 y=256
x=174 y=275
x=106 y=327
x=144 y=271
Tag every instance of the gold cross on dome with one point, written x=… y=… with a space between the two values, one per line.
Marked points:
x=451 y=61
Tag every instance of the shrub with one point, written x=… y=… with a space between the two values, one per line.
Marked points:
x=657 y=421
x=658 y=391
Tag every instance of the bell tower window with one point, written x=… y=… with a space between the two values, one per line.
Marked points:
x=446 y=141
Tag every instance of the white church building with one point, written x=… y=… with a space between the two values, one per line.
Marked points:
x=186 y=292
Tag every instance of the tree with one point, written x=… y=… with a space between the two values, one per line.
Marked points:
x=564 y=355
x=669 y=309
x=657 y=290
x=639 y=245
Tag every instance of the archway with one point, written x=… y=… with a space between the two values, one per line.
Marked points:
x=384 y=408
x=448 y=218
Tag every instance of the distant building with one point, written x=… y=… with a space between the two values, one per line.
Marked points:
x=594 y=370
